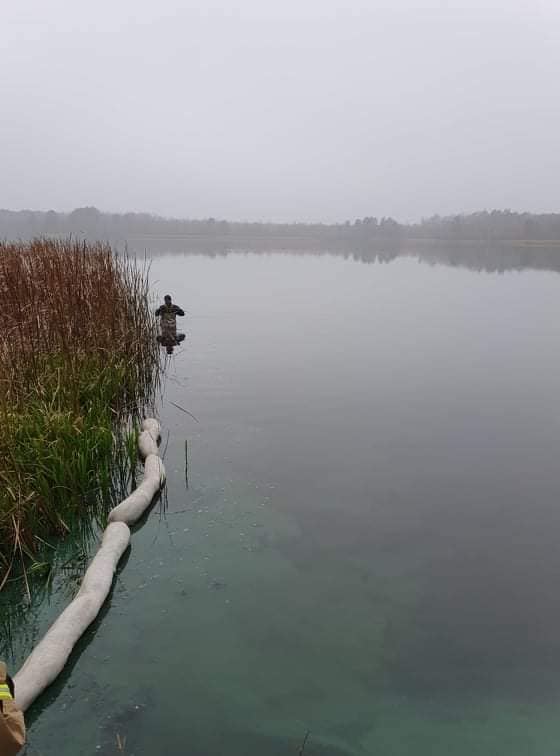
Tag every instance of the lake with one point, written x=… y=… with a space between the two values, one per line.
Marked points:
x=363 y=545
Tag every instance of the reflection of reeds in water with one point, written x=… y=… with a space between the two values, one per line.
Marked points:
x=78 y=358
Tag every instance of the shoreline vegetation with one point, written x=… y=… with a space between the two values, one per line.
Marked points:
x=494 y=226
x=78 y=361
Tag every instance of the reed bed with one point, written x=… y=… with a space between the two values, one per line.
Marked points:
x=78 y=358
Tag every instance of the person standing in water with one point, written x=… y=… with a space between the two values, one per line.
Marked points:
x=167 y=314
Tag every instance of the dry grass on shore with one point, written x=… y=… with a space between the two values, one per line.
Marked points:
x=78 y=356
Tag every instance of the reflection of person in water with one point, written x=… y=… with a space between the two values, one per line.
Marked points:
x=170 y=340
x=167 y=314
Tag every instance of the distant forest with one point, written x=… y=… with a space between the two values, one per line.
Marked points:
x=484 y=226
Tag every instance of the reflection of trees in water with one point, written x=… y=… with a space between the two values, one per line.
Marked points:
x=486 y=258
x=480 y=257
x=483 y=241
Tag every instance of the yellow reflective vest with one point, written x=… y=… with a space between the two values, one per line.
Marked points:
x=12 y=725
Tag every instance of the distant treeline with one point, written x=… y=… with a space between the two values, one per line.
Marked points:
x=497 y=225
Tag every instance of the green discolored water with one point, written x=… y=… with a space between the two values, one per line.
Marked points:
x=367 y=547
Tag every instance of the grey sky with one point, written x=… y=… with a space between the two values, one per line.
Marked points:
x=284 y=110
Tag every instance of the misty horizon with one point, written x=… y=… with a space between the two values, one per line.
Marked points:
x=352 y=219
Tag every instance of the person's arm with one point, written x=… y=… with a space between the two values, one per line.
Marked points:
x=179 y=311
x=12 y=725
x=158 y=312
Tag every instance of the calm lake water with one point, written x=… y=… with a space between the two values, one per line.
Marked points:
x=367 y=549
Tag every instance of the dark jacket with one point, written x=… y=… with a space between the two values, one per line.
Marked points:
x=168 y=314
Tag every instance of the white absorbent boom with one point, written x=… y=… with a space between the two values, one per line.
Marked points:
x=48 y=658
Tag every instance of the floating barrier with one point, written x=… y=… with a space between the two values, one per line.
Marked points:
x=133 y=507
x=48 y=658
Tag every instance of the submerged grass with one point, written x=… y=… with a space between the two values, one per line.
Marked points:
x=78 y=358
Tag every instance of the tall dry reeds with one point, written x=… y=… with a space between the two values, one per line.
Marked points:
x=78 y=356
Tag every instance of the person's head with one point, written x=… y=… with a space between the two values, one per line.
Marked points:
x=167 y=299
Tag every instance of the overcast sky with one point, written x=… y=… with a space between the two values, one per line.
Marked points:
x=284 y=110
